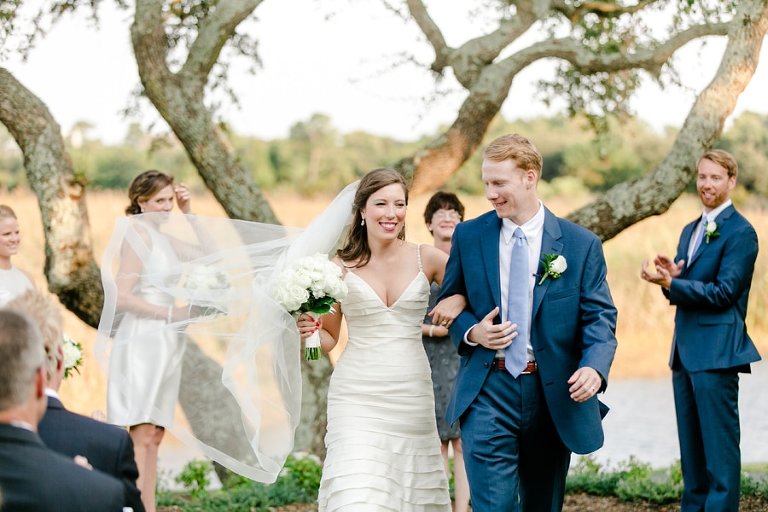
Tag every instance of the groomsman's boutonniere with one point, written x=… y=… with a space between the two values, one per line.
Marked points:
x=554 y=266
x=73 y=356
x=711 y=230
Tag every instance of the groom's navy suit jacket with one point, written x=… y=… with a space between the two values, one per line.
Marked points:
x=711 y=296
x=573 y=320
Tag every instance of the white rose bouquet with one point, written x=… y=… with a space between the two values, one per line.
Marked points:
x=208 y=288
x=311 y=285
x=73 y=356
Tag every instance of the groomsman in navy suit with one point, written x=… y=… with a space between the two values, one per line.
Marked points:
x=107 y=448
x=536 y=339
x=709 y=282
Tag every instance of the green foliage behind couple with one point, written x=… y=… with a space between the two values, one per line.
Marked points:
x=316 y=158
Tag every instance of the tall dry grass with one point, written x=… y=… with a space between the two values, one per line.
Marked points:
x=645 y=318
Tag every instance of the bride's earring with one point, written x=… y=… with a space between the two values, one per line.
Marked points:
x=362 y=222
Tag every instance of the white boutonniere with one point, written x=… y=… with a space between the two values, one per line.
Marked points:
x=711 y=230
x=73 y=356
x=554 y=266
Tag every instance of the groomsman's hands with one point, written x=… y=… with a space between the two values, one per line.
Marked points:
x=666 y=270
x=666 y=263
x=493 y=336
x=585 y=383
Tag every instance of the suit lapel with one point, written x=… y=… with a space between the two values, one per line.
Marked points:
x=721 y=221
x=550 y=243
x=490 y=256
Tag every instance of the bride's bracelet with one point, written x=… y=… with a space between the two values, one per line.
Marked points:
x=431 y=330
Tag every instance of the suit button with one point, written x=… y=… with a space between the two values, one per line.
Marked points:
x=486 y=364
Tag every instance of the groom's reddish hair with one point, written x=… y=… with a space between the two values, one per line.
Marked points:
x=515 y=147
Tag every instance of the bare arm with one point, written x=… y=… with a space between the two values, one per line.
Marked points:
x=329 y=326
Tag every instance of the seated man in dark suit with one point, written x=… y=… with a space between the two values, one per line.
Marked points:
x=34 y=478
x=106 y=447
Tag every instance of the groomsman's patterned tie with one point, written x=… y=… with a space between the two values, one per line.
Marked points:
x=518 y=305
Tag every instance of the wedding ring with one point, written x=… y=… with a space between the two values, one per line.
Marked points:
x=444 y=323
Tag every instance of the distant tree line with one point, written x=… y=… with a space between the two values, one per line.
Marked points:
x=316 y=158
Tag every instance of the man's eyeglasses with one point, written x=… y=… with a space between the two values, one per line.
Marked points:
x=446 y=214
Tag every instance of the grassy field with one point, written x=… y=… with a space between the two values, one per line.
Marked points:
x=645 y=318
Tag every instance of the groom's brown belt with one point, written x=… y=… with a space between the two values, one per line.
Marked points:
x=531 y=367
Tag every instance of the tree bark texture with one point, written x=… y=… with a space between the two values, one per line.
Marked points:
x=179 y=98
x=70 y=268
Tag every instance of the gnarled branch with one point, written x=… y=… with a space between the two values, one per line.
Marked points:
x=652 y=194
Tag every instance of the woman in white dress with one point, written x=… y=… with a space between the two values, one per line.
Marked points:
x=145 y=361
x=383 y=450
x=13 y=281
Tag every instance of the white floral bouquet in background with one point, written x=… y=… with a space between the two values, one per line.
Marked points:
x=312 y=285
x=207 y=288
x=73 y=356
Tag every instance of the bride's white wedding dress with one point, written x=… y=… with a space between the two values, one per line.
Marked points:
x=383 y=450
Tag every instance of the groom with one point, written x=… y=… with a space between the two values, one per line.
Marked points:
x=536 y=338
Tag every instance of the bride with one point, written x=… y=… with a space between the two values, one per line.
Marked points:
x=383 y=450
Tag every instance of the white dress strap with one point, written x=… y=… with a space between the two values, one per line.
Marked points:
x=418 y=257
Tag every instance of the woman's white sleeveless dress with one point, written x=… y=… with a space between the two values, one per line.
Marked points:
x=383 y=450
x=146 y=357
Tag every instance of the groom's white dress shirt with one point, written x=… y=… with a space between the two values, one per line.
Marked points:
x=533 y=230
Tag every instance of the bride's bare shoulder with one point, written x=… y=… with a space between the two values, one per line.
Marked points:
x=338 y=261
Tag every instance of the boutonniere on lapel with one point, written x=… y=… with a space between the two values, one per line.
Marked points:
x=554 y=266
x=711 y=231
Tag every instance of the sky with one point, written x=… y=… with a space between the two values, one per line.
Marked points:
x=344 y=65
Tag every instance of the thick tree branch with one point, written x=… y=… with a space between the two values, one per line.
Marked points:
x=180 y=101
x=431 y=31
x=650 y=57
x=602 y=9
x=70 y=267
x=213 y=34
x=652 y=194
x=431 y=166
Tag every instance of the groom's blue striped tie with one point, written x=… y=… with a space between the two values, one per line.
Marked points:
x=518 y=305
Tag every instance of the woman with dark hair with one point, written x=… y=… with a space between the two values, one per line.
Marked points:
x=443 y=211
x=145 y=360
x=13 y=281
x=383 y=450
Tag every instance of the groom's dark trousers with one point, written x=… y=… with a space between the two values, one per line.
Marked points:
x=517 y=434
x=710 y=347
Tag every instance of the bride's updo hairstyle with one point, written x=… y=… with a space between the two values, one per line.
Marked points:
x=144 y=186
x=356 y=246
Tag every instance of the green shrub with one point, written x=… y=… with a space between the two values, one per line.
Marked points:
x=298 y=482
x=195 y=477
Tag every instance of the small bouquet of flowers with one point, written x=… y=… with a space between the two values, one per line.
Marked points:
x=312 y=285
x=207 y=287
x=73 y=356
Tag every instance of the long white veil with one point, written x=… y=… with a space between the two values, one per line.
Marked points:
x=239 y=398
